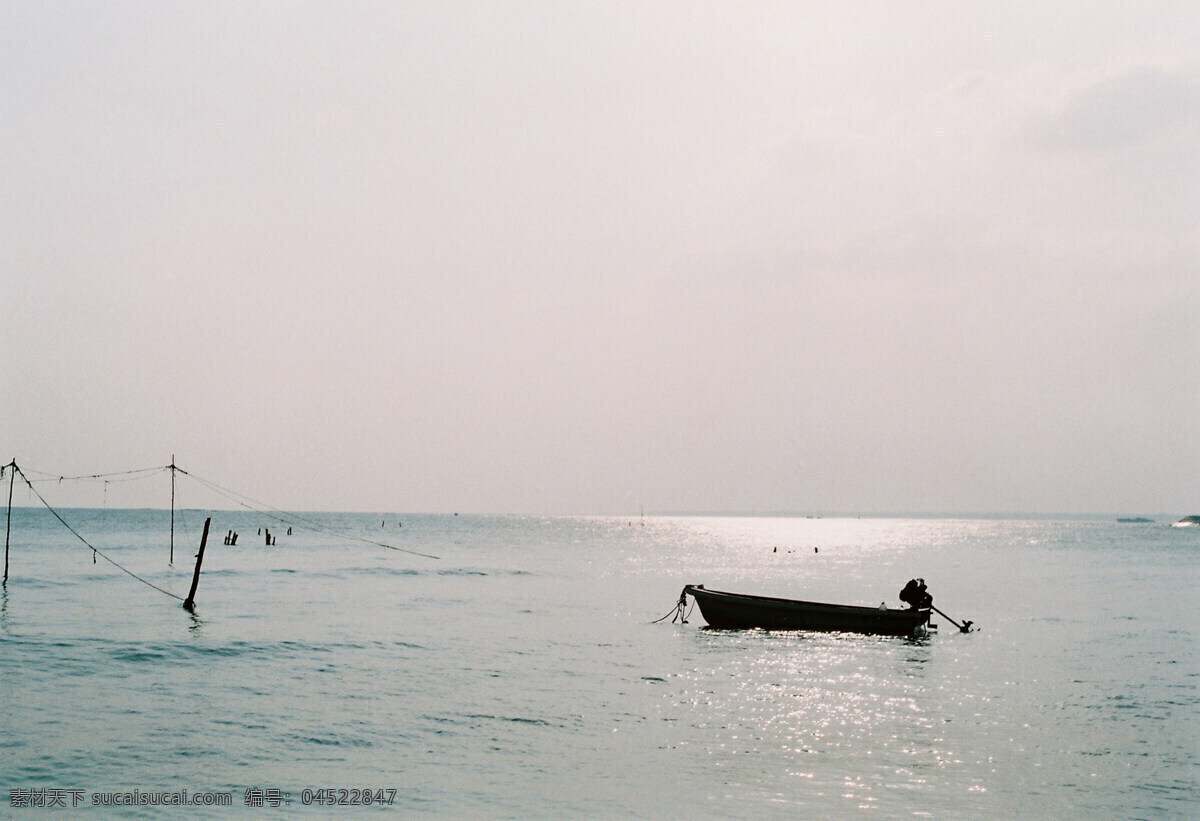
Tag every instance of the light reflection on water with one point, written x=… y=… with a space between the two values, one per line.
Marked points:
x=1078 y=696
x=519 y=676
x=806 y=700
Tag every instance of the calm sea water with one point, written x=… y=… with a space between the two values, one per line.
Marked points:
x=518 y=675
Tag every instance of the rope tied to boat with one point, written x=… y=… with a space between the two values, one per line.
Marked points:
x=680 y=611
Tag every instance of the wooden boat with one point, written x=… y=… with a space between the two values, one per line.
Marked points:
x=737 y=611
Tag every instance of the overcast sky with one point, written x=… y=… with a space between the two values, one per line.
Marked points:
x=562 y=257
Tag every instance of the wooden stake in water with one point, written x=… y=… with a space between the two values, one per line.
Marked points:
x=12 y=466
x=172 y=509
x=190 y=601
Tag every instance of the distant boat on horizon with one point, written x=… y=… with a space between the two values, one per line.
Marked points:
x=1138 y=520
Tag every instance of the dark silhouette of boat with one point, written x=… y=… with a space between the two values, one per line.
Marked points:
x=738 y=611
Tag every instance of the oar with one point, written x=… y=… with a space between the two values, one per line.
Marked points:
x=964 y=627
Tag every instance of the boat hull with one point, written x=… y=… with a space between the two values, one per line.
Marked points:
x=735 y=611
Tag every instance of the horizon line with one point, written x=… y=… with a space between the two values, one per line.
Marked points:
x=733 y=514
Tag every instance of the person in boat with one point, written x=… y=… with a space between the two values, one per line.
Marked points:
x=915 y=595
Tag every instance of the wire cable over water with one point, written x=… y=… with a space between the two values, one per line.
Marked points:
x=239 y=499
x=291 y=518
x=95 y=551
x=126 y=475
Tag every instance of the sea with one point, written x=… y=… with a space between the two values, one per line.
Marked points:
x=466 y=666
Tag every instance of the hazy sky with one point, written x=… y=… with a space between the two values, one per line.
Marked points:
x=563 y=257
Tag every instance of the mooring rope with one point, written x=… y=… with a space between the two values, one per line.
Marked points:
x=678 y=610
x=674 y=612
x=95 y=551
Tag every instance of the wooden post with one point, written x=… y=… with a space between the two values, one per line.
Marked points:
x=172 y=510
x=12 y=466
x=190 y=601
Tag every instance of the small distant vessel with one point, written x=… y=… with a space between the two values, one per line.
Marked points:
x=1188 y=521
x=738 y=611
x=1136 y=520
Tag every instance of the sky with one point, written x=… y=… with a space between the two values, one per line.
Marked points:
x=570 y=258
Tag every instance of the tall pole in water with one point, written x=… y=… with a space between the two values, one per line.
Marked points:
x=172 y=509
x=12 y=466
